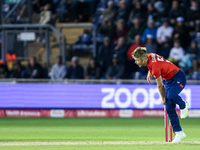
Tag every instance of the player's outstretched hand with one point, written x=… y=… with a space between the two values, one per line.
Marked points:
x=149 y=78
x=163 y=101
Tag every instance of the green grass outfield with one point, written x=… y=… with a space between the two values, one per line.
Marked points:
x=93 y=133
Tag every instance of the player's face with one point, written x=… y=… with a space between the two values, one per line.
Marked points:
x=139 y=62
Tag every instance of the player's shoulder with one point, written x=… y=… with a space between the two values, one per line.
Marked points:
x=152 y=57
x=156 y=60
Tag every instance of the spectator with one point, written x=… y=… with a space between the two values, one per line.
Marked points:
x=58 y=70
x=82 y=8
x=46 y=15
x=75 y=71
x=138 y=9
x=150 y=45
x=164 y=31
x=193 y=51
x=176 y=53
x=121 y=30
x=105 y=54
x=196 y=36
x=121 y=49
x=185 y=64
x=175 y=12
x=168 y=5
x=17 y=70
x=107 y=29
x=181 y=32
x=137 y=29
x=63 y=11
x=4 y=73
x=55 y=5
x=137 y=43
x=115 y=70
x=93 y=70
x=122 y=11
x=45 y=18
x=193 y=15
x=161 y=11
x=33 y=70
x=40 y=6
x=110 y=12
x=84 y=39
x=151 y=13
x=131 y=67
x=149 y=30
x=165 y=48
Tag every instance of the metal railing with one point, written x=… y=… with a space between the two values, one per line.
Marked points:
x=82 y=81
x=32 y=28
x=85 y=25
x=13 y=9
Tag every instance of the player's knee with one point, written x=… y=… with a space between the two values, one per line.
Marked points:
x=170 y=109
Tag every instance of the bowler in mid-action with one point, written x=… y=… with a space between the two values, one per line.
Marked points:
x=174 y=81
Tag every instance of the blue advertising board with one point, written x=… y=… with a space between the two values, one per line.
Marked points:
x=89 y=96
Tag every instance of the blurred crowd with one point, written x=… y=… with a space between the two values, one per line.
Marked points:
x=170 y=28
x=51 y=11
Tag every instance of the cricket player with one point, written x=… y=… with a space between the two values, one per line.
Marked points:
x=174 y=81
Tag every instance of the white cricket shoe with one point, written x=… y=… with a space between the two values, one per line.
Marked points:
x=178 y=137
x=184 y=112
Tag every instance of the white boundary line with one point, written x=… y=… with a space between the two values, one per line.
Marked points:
x=95 y=143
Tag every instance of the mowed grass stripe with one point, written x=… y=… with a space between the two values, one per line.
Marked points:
x=90 y=129
x=96 y=143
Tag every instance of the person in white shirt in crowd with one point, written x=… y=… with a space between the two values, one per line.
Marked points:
x=176 y=52
x=46 y=15
x=45 y=18
x=164 y=31
x=58 y=70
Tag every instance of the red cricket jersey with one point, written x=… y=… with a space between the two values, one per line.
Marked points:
x=157 y=66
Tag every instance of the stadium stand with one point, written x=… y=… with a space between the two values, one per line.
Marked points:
x=102 y=18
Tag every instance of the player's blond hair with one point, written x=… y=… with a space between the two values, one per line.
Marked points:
x=140 y=52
